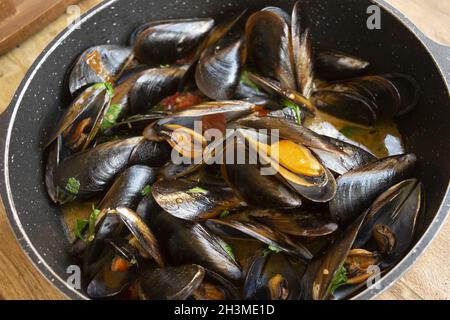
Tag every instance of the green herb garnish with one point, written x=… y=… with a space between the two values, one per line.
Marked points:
x=164 y=65
x=73 y=185
x=274 y=249
x=197 y=190
x=339 y=279
x=105 y=85
x=92 y=220
x=351 y=132
x=246 y=80
x=80 y=224
x=293 y=106
x=157 y=108
x=271 y=249
x=229 y=251
x=225 y=213
x=147 y=190
x=111 y=116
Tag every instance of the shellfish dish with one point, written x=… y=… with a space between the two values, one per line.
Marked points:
x=233 y=159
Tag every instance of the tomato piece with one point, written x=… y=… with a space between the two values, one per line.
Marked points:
x=214 y=121
x=119 y=265
x=180 y=101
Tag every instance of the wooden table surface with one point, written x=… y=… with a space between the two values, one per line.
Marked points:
x=429 y=278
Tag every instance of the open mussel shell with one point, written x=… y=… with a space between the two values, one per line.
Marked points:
x=102 y=63
x=288 y=114
x=168 y=41
x=154 y=85
x=219 y=70
x=185 y=242
x=127 y=188
x=268 y=235
x=148 y=207
x=250 y=93
x=392 y=219
x=108 y=283
x=271 y=276
x=358 y=188
x=232 y=109
x=408 y=90
x=364 y=100
x=142 y=233
x=80 y=123
x=294 y=165
x=296 y=222
x=340 y=156
x=126 y=191
x=170 y=283
x=336 y=155
x=187 y=200
x=302 y=52
x=351 y=107
x=216 y=287
x=259 y=190
x=270 y=46
x=320 y=272
x=132 y=126
x=277 y=89
x=280 y=12
x=335 y=65
x=119 y=107
x=88 y=174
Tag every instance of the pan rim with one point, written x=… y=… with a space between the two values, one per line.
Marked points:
x=39 y=262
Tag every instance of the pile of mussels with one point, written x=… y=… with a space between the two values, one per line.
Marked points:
x=330 y=218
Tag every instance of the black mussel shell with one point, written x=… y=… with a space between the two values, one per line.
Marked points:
x=154 y=85
x=336 y=155
x=108 y=283
x=302 y=52
x=270 y=46
x=219 y=69
x=185 y=242
x=335 y=65
x=168 y=41
x=170 y=283
x=408 y=90
x=364 y=100
x=187 y=200
x=142 y=233
x=317 y=280
x=216 y=287
x=358 y=188
x=297 y=222
x=102 y=63
x=126 y=191
x=258 y=190
x=396 y=210
x=128 y=187
x=88 y=174
x=269 y=235
x=271 y=276
x=81 y=122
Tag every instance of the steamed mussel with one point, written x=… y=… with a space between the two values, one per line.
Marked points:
x=216 y=160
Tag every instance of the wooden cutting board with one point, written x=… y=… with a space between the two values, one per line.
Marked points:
x=20 y=19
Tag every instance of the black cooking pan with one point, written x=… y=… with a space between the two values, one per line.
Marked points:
x=397 y=47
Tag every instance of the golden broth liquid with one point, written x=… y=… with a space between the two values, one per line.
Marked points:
x=72 y=212
x=384 y=139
